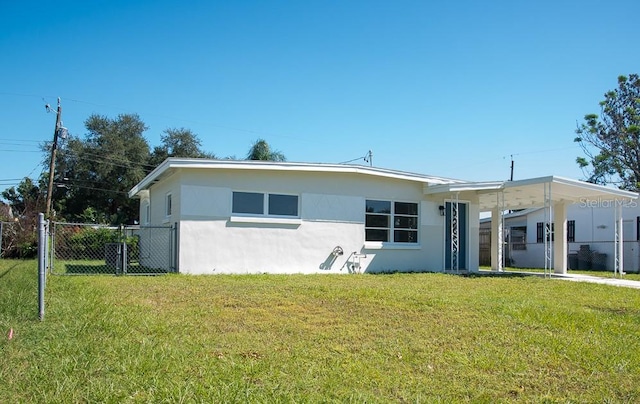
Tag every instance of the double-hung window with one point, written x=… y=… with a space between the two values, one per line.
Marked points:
x=261 y=204
x=388 y=221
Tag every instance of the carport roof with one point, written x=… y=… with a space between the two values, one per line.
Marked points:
x=531 y=192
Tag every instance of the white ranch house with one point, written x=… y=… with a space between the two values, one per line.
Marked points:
x=274 y=217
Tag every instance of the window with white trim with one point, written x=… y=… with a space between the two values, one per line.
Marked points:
x=387 y=221
x=257 y=203
x=167 y=205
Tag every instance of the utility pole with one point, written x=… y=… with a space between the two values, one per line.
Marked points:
x=52 y=163
x=369 y=158
x=511 y=179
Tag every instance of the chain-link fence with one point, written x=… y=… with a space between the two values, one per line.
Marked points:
x=82 y=249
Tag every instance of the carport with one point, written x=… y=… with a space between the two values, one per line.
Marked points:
x=553 y=194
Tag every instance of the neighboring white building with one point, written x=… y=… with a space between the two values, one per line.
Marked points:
x=274 y=217
x=590 y=235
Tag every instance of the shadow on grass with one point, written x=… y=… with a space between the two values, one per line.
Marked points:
x=498 y=275
x=2 y=275
x=134 y=269
x=465 y=274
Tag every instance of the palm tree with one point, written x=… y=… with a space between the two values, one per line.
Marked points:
x=260 y=150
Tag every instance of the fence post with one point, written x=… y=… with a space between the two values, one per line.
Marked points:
x=42 y=251
x=174 y=248
x=51 y=236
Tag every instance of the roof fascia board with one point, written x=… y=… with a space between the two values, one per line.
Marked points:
x=277 y=166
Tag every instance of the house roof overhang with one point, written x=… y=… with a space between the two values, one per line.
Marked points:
x=171 y=165
x=528 y=193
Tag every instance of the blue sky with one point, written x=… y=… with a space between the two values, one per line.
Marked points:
x=444 y=88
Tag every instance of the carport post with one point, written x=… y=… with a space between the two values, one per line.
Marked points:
x=497 y=240
x=560 y=238
x=618 y=262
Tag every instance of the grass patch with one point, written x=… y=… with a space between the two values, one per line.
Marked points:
x=309 y=338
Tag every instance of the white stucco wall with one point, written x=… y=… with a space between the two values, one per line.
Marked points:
x=332 y=213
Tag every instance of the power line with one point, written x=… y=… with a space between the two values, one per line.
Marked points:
x=124 y=163
x=123 y=109
x=368 y=158
x=5 y=140
x=70 y=186
x=542 y=151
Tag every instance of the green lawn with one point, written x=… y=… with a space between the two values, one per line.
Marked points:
x=316 y=338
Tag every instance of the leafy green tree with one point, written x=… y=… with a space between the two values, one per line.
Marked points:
x=25 y=201
x=260 y=150
x=178 y=143
x=611 y=141
x=99 y=170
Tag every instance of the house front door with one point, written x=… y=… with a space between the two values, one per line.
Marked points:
x=455 y=246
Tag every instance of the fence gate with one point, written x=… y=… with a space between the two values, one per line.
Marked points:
x=83 y=249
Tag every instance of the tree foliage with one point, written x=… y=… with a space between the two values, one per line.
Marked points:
x=100 y=169
x=178 y=143
x=611 y=141
x=27 y=197
x=260 y=150
x=26 y=201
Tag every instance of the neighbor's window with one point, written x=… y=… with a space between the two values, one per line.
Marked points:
x=540 y=230
x=518 y=237
x=167 y=205
x=255 y=203
x=388 y=221
x=571 y=231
